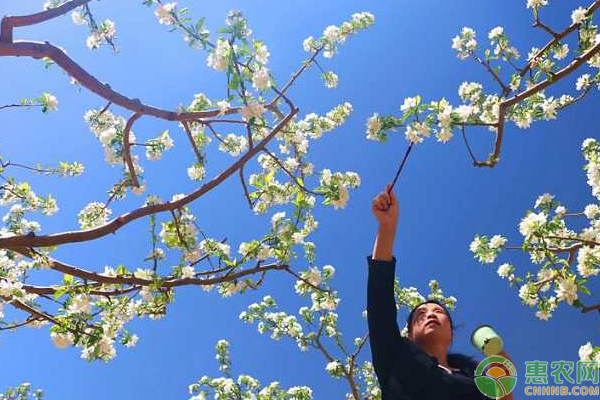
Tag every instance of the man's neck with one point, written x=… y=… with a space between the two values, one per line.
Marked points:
x=439 y=352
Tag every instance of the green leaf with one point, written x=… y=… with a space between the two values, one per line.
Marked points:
x=269 y=176
x=60 y=292
x=584 y=290
x=407 y=115
x=200 y=23
x=68 y=279
x=121 y=270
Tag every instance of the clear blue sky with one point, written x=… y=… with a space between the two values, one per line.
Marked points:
x=444 y=200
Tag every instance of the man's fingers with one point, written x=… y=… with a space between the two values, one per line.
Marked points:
x=376 y=204
x=386 y=198
x=383 y=203
x=392 y=197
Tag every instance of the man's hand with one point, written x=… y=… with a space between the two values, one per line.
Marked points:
x=385 y=208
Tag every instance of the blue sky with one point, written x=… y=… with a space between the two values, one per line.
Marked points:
x=444 y=200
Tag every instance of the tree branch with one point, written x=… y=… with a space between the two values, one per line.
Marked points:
x=119 y=222
x=126 y=147
x=301 y=186
x=576 y=63
x=10 y=22
x=586 y=309
x=40 y=50
x=192 y=141
x=558 y=38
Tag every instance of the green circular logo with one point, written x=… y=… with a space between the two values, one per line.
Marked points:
x=496 y=377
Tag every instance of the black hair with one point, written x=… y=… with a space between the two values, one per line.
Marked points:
x=456 y=360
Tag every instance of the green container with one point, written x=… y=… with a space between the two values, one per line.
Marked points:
x=487 y=340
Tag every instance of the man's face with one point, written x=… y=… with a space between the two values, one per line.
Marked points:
x=430 y=323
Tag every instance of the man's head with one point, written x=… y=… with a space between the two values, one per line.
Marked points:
x=430 y=322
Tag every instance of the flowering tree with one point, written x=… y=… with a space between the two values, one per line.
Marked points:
x=22 y=392
x=521 y=97
x=552 y=245
x=556 y=247
x=90 y=309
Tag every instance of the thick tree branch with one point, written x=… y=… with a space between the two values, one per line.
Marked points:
x=576 y=63
x=558 y=38
x=132 y=280
x=40 y=50
x=10 y=22
x=119 y=222
x=586 y=309
x=126 y=149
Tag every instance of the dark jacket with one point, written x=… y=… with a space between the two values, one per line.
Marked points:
x=404 y=371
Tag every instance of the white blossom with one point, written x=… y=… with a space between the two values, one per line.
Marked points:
x=591 y=211
x=497 y=241
x=61 y=340
x=536 y=3
x=505 y=270
x=531 y=223
x=253 y=109
x=78 y=18
x=262 y=54
x=409 y=102
x=342 y=198
x=567 y=290
x=561 y=52
x=188 y=272
x=585 y=352
x=583 y=82
x=578 y=15
x=261 y=79
x=164 y=13
x=496 y=33
x=94 y=40
x=374 y=126
x=543 y=315
x=528 y=293
x=196 y=172
x=543 y=200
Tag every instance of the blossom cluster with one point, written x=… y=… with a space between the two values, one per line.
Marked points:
x=244 y=387
x=551 y=244
x=335 y=35
x=421 y=119
x=317 y=323
x=588 y=352
x=109 y=129
x=22 y=392
x=294 y=142
x=156 y=147
x=103 y=33
x=22 y=199
x=197 y=171
x=334 y=186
